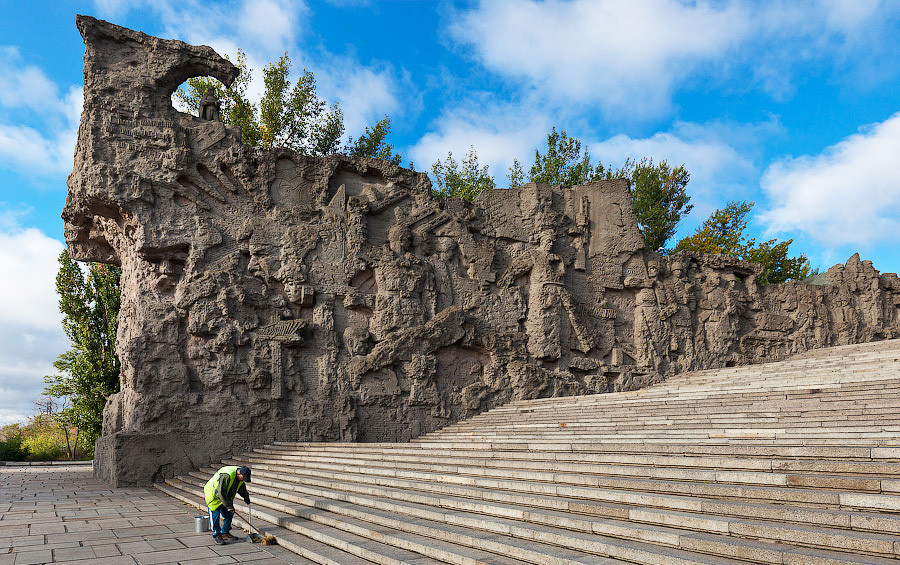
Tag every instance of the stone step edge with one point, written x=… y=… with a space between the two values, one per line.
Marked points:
x=655 y=517
x=571 y=477
x=361 y=550
x=666 y=536
x=785 y=452
x=615 y=547
x=729 y=465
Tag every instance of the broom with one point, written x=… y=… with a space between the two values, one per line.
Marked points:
x=255 y=537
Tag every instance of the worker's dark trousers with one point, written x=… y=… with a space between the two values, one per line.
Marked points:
x=214 y=520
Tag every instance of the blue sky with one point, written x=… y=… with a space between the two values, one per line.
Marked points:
x=793 y=105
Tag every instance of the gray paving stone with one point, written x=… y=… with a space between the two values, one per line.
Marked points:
x=135 y=547
x=106 y=550
x=50 y=519
x=114 y=560
x=173 y=555
x=73 y=554
x=34 y=557
x=165 y=544
x=218 y=560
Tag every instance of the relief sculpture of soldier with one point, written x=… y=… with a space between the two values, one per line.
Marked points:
x=549 y=303
x=405 y=296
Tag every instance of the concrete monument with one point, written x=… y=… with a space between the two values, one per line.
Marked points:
x=271 y=296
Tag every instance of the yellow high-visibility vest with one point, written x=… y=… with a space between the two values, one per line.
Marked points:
x=212 y=486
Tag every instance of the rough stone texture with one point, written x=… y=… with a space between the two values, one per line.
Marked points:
x=270 y=296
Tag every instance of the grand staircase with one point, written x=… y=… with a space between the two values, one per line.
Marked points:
x=795 y=462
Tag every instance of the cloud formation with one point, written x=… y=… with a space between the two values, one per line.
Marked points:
x=30 y=332
x=265 y=30
x=633 y=56
x=38 y=122
x=621 y=54
x=716 y=155
x=848 y=194
x=499 y=133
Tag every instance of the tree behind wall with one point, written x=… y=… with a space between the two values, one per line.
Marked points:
x=288 y=115
x=89 y=371
x=723 y=232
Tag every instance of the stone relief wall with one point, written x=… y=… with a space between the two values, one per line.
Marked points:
x=269 y=296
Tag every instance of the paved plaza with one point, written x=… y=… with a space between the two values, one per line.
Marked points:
x=61 y=514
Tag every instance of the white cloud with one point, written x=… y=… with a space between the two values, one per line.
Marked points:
x=28 y=86
x=848 y=194
x=270 y=24
x=622 y=54
x=499 y=134
x=28 y=282
x=31 y=336
x=630 y=57
x=848 y=16
x=43 y=154
x=11 y=416
x=41 y=141
x=365 y=94
x=716 y=166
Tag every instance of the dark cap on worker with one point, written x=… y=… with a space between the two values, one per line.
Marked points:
x=245 y=472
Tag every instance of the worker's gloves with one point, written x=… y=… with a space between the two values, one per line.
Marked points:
x=247 y=500
x=230 y=508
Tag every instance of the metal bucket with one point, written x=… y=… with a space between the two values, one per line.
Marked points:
x=201 y=524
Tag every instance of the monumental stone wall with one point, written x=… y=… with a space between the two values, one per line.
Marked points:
x=270 y=296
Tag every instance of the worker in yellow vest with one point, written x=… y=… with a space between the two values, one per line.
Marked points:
x=220 y=491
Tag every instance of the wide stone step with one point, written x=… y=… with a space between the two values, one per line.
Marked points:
x=350 y=541
x=568 y=462
x=608 y=500
x=773 y=522
x=567 y=530
x=576 y=473
x=388 y=522
x=743 y=449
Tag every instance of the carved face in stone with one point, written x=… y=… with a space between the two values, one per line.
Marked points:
x=356 y=340
x=653 y=269
x=262 y=263
x=446 y=247
x=293 y=289
x=400 y=239
x=678 y=269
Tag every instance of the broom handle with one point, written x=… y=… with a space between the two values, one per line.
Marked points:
x=248 y=522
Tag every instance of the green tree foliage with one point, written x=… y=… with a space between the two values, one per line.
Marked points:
x=12 y=446
x=294 y=116
x=777 y=265
x=564 y=163
x=373 y=143
x=658 y=190
x=659 y=199
x=464 y=180
x=237 y=110
x=723 y=232
x=89 y=371
x=288 y=115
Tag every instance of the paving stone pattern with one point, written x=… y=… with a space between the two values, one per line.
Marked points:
x=796 y=462
x=61 y=514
